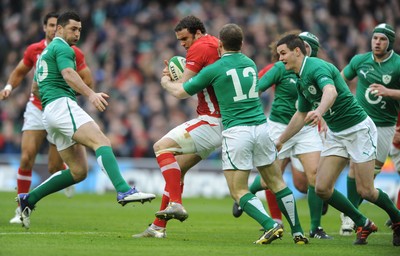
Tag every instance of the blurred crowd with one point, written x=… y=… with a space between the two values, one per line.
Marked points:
x=126 y=42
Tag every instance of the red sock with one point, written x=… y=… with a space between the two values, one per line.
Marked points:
x=164 y=202
x=398 y=200
x=273 y=205
x=172 y=175
x=24 y=180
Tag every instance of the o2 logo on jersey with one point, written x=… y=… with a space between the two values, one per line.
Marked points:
x=371 y=98
x=311 y=89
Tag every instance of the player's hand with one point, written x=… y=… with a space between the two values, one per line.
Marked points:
x=99 y=100
x=379 y=90
x=313 y=118
x=165 y=80
x=4 y=94
x=165 y=71
x=278 y=145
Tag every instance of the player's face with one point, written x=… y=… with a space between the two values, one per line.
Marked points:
x=50 y=28
x=72 y=32
x=287 y=56
x=379 y=44
x=186 y=39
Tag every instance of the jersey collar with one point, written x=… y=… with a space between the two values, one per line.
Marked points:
x=390 y=55
x=303 y=64
x=62 y=40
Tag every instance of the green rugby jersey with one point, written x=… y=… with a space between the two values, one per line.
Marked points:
x=285 y=100
x=313 y=76
x=382 y=110
x=57 y=56
x=235 y=82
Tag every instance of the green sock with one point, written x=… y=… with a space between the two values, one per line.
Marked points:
x=256 y=185
x=251 y=205
x=342 y=204
x=287 y=205
x=352 y=193
x=54 y=183
x=388 y=206
x=315 y=205
x=108 y=163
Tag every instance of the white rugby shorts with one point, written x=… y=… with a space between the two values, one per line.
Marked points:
x=33 y=119
x=357 y=143
x=305 y=141
x=245 y=147
x=201 y=135
x=62 y=118
x=385 y=139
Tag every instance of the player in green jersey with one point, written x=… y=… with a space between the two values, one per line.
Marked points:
x=68 y=126
x=323 y=93
x=245 y=135
x=378 y=84
x=305 y=145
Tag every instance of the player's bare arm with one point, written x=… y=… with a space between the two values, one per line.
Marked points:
x=294 y=126
x=87 y=77
x=174 y=88
x=15 y=79
x=75 y=81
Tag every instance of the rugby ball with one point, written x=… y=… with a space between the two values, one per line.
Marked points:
x=176 y=66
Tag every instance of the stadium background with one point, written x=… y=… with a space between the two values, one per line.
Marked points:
x=125 y=43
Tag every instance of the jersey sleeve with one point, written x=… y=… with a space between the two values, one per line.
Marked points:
x=200 y=81
x=200 y=55
x=80 y=59
x=323 y=77
x=65 y=58
x=349 y=70
x=28 y=58
x=271 y=77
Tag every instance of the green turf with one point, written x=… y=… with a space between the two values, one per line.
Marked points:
x=96 y=225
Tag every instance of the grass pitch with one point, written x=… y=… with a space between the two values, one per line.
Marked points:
x=91 y=224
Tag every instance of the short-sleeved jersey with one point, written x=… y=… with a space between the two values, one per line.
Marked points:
x=33 y=52
x=203 y=52
x=284 y=104
x=314 y=75
x=382 y=110
x=57 y=56
x=234 y=79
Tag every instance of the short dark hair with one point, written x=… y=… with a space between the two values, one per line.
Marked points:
x=292 y=41
x=64 y=18
x=48 y=16
x=192 y=24
x=231 y=36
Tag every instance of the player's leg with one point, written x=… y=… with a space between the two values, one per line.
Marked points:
x=310 y=163
x=196 y=138
x=33 y=134
x=269 y=168
x=75 y=157
x=30 y=145
x=55 y=163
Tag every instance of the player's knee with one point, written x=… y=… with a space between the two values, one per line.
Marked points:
x=79 y=174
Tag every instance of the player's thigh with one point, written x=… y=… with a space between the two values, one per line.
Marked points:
x=32 y=140
x=201 y=136
x=329 y=170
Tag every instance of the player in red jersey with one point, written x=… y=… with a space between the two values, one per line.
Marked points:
x=33 y=131
x=187 y=144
